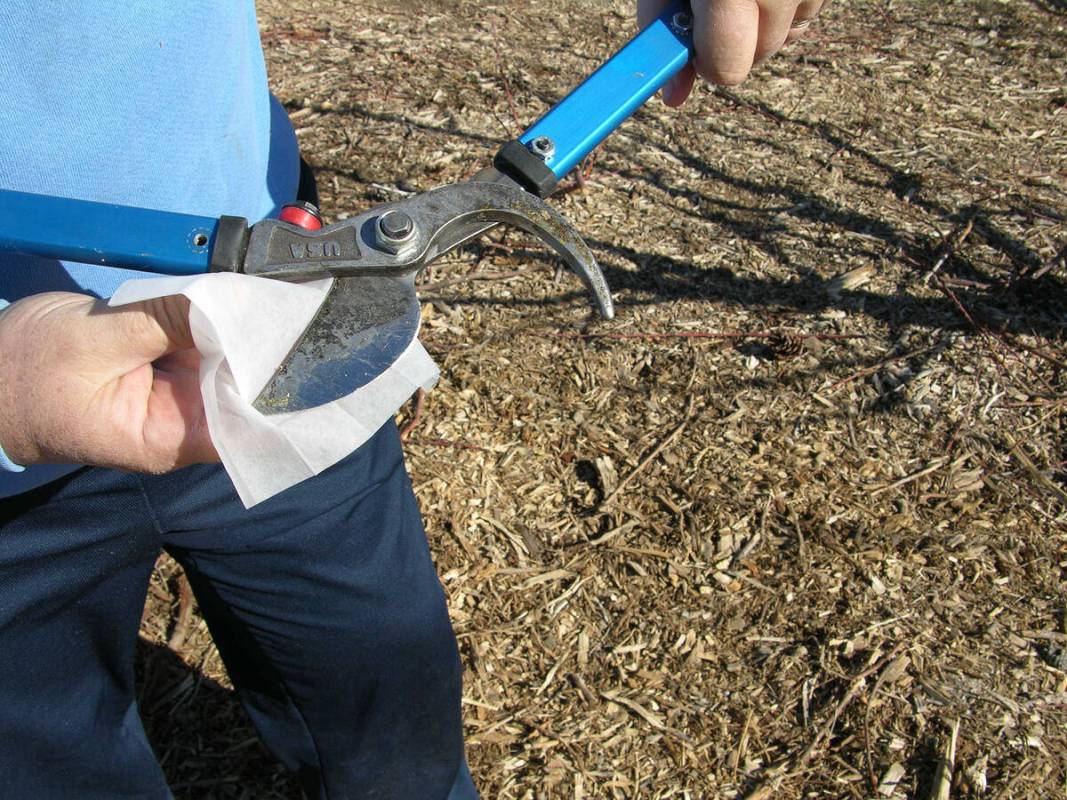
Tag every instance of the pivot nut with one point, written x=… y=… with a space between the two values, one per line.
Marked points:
x=394 y=232
x=682 y=23
x=542 y=147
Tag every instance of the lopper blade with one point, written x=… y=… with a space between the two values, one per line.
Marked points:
x=371 y=314
x=362 y=327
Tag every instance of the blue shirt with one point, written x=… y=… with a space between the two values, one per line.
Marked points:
x=150 y=103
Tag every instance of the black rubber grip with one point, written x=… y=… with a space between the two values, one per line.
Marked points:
x=518 y=163
x=231 y=244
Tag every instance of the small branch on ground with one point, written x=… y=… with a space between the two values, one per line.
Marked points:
x=949 y=245
x=1009 y=342
x=1039 y=477
x=770 y=785
x=946 y=765
x=581 y=175
x=416 y=414
x=185 y=614
x=863 y=373
x=651 y=456
x=822 y=337
x=507 y=92
x=448 y=443
x=484 y=276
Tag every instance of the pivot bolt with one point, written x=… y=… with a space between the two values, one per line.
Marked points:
x=394 y=231
x=542 y=147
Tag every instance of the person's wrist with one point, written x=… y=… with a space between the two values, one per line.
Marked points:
x=15 y=452
x=16 y=449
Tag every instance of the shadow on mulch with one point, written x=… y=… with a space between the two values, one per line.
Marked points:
x=202 y=737
x=1023 y=306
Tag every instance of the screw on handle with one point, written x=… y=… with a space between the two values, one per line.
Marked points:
x=573 y=127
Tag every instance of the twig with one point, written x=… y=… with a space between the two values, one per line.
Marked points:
x=648 y=716
x=946 y=765
x=501 y=123
x=614 y=532
x=581 y=175
x=768 y=787
x=746 y=551
x=1060 y=257
x=651 y=456
x=185 y=614
x=1040 y=402
x=585 y=169
x=846 y=144
x=1052 y=636
x=867 y=755
x=989 y=334
x=863 y=373
x=936 y=464
x=416 y=415
x=489 y=244
x=688 y=335
x=1035 y=473
x=502 y=67
x=1005 y=790
x=448 y=443
x=484 y=276
x=583 y=689
x=964 y=283
x=893 y=670
x=1037 y=351
x=951 y=243
x=740 y=102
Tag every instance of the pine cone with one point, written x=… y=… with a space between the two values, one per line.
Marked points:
x=785 y=344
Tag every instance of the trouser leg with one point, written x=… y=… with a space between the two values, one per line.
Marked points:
x=327 y=610
x=75 y=558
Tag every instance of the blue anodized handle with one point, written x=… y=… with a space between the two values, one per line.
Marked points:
x=584 y=118
x=103 y=233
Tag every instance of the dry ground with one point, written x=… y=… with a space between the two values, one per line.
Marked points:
x=797 y=514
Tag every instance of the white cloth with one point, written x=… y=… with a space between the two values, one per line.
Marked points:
x=244 y=327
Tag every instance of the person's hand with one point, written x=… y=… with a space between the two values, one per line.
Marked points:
x=732 y=36
x=82 y=383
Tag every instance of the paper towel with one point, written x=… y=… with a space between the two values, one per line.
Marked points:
x=244 y=327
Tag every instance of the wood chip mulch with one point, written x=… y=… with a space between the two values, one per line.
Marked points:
x=792 y=525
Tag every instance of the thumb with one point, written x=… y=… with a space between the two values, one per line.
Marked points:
x=145 y=330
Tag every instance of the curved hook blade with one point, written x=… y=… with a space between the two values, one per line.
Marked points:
x=371 y=314
x=450 y=215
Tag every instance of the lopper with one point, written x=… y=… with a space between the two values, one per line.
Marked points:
x=371 y=314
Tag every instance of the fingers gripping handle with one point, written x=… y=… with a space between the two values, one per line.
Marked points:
x=570 y=130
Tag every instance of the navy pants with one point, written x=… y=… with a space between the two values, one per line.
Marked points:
x=323 y=602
